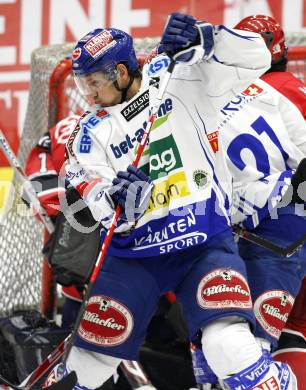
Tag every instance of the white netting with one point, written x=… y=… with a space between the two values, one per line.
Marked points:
x=295 y=38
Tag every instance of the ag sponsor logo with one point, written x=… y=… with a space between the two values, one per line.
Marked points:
x=158 y=64
x=106 y=322
x=85 y=141
x=224 y=288
x=136 y=106
x=175 y=236
x=272 y=310
x=100 y=43
x=164 y=157
x=200 y=178
x=174 y=187
x=132 y=141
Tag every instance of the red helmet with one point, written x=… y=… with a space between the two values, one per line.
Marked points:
x=270 y=30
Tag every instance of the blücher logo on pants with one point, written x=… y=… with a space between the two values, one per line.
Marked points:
x=106 y=322
x=272 y=310
x=224 y=288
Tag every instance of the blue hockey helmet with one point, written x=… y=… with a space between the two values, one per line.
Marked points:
x=101 y=50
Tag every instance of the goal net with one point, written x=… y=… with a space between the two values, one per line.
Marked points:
x=52 y=96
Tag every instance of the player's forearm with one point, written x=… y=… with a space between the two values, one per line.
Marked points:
x=242 y=49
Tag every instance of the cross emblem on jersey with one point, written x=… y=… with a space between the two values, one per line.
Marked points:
x=252 y=91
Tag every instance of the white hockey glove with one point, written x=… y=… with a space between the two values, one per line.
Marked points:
x=187 y=40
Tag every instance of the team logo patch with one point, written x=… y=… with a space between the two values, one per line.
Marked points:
x=272 y=310
x=106 y=322
x=100 y=43
x=224 y=288
x=213 y=140
x=252 y=90
x=64 y=128
x=200 y=178
x=76 y=54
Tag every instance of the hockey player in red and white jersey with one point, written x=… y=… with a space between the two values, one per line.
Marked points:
x=179 y=239
x=43 y=167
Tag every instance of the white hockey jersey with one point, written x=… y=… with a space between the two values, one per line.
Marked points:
x=264 y=135
x=187 y=205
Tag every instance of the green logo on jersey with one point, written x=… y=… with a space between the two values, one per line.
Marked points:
x=164 y=157
x=200 y=178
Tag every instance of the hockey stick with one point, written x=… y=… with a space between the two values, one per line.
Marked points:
x=287 y=251
x=132 y=370
x=64 y=348
x=50 y=360
x=27 y=185
x=135 y=375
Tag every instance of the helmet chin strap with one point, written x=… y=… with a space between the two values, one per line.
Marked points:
x=124 y=91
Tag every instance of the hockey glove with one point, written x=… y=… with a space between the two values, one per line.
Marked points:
x=298 y=183
x=184 y=39
x=132 y=190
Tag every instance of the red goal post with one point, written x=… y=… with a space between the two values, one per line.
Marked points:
x=53 y=96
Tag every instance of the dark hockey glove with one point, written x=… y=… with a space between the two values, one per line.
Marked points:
x=184 y=39
x=132 y=190
x=71 y=253
x=298 y=183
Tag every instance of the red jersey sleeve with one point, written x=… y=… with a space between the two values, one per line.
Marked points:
x=40 y=170
x=290 y=86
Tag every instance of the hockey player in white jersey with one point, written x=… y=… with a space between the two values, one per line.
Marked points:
x=264 y=135
x=175 y=236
